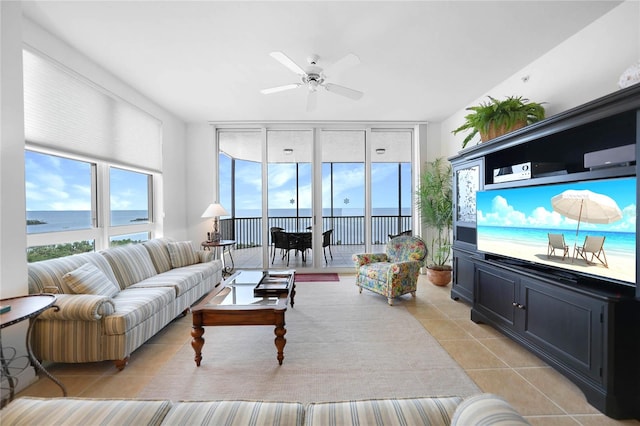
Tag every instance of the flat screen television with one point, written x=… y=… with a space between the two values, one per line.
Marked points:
x=516 y=223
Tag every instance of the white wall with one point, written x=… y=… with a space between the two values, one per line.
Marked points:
x=202 y=177
x=585 y=67
x=13 y=262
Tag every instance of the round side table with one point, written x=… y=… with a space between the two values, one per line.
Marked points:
x=25 y=308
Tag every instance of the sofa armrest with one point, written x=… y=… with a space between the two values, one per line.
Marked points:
x=80 y=307
x=484 y=409
x=366 y=258
x=205 y=255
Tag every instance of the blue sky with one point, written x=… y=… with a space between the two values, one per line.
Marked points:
x=531 y=206
x=348 y=185
x=56 y=183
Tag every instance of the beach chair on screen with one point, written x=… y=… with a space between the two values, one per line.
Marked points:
x=556 y=242
x=595 y=246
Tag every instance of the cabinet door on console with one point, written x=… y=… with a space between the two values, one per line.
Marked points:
x=568 y=326
x=463 y=275
x=495 y=294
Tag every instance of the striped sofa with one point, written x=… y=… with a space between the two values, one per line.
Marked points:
x=482 y=409
x=114 y=300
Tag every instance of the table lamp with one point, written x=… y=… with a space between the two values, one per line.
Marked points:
x=215 y=210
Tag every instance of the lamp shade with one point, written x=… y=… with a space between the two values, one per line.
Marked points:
x=215 y=210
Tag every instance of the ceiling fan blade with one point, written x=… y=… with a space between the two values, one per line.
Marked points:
x=280 y=88
x=312 y=100
x=287 y=62
x=344 y=91
x=349 y=61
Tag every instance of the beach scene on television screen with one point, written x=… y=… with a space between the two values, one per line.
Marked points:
x=589 y=227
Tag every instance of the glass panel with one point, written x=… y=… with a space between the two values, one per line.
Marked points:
x=391 y=185
x=53 y=251
x=343 y=195
x=467 y=184
x=58 y=193
x=129 y=197
x=240 y=186
x=121 y=240
x=289 y=154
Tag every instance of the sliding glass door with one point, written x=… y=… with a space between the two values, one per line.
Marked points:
x=309 y=197
x=343 y=195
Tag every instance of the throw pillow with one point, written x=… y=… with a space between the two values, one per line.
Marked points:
x=182 y=254
x=88 y=279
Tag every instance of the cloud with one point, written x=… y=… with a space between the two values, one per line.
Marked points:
x=502 y=214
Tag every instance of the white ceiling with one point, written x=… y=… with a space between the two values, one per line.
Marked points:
x=420 y=60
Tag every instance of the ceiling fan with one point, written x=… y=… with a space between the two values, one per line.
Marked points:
x=315 y=77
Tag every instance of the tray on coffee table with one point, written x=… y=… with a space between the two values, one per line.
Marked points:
x=273 y=284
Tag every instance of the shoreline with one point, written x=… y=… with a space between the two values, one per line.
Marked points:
x=621 y=266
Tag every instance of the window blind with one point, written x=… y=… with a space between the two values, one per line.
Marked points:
x=66 y=111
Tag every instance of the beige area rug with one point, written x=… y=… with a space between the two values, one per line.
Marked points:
x=341 y=345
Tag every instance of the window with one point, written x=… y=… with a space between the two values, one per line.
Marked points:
x=59 y=193
x=91 y=160
x=129 y=197
x=63 y=214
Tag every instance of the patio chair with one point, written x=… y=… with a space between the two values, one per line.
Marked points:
x=556 y=241
x=408 y=233
x=595 y=246
x=272 y=230
x=282 y=241
x=394 y=272
x=326 y=242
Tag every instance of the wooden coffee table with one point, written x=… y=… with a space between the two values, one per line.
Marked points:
x=234 y=303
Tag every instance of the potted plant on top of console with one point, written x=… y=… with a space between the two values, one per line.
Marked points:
x=435 y=203
x=496 y=118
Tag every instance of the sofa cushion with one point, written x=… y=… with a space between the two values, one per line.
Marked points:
x=182 y=254
x=134 y=305
x=85 y=411
x=486 y=409
x=239 y=413
x=159 y=253
x=88 y=279
x=49 y=273
x=180 y=279
x=130 y=264
x=409 y=411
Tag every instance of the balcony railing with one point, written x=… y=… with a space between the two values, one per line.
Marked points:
x=247 y=232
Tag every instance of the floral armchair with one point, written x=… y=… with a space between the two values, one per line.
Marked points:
x=394 y=272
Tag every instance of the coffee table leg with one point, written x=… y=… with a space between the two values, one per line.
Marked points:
x=293 y=294
x=280 y=341
x=197 y=342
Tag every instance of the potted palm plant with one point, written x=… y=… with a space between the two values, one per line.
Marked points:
x=495 y=118
x=435 y=203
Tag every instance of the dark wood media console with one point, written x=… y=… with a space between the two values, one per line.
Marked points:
x=586 y=327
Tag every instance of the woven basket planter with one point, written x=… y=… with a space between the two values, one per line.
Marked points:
x=494 y=132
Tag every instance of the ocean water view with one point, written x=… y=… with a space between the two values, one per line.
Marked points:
x=348 y=231
x=69 y=220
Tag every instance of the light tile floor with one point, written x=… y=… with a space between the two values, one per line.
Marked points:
x=494 y=362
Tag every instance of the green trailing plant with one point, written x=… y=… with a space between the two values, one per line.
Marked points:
x=435 y=202
x=503 y=114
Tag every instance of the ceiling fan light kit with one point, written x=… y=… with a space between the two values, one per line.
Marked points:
x=315 y=77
